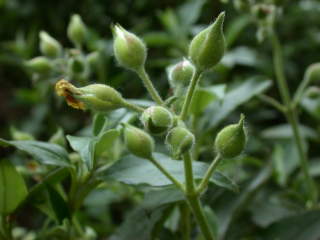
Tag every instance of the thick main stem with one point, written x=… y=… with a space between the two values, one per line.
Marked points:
x=196 y=207
x=193 y=198
x=149 y=86
x=190 y=93
x=291 y=112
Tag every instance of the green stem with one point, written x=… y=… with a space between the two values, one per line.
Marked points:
x=302 y=87
x=185 y=221
x=190 y=93
x=291 y=114
x=133 y=107
x=205 y=180
x=189 y=181
x=193 y=198
x=167 y=174
x=272 y=102
x=201 y=219
x=149 y=86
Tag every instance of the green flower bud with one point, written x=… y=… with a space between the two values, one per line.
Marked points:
x=231 y=140
x=313 y=72
x=157 y=120
x=241 y=5
x=97 y=97
x=49 y=46
x=181 y=73
x=76 y=30
x=39 y=64
x=313 y=92
x=138 y=142
x=207 y=47
x=179 y=140
x=129 y=50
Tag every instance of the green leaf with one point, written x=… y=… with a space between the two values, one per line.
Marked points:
x=58 y=204
x=46 y=153
x=12 y=188
x=200 y=100
x=106 y=141
x=89 y=147
x=217 y=111
x=284 y=131
x=99 y=122
x=299 y=227
x=135 y=171
x=189 y=12
x=85 y=147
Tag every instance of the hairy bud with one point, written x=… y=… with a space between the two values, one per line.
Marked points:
x=76 y=30
x=157 y=120
x=231 y=140
x=49 y=46
x=138 y=142
x=39 y=64
x=179 y=140
x=207 y=47
x=129 y=50
x=181 y=73
x=97 y=97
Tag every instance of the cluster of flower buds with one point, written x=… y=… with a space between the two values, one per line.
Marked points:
x=205 y=51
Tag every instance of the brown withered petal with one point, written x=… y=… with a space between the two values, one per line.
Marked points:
x=66 y=89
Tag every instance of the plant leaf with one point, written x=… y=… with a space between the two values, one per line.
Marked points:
x=12 y=188
x=135 y=171
x=46 y=153
x=218 y=111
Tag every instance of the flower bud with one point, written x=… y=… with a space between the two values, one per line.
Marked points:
x=39 y=64
x=231 y=140
x=207 y=47
x=179 y=140
x=49 y=46
x=181 y=73
x=76 y=30
x=313 y=92
x=157 y=120
x=313 y=72
x=138 y=142
x=97 y=97
x=129 y=50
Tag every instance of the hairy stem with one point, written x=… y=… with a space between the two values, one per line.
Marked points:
x=189 y=181
x=149 y=86
x=190 y=93
x=167 y=174
x=205 y=180
x=185 y=221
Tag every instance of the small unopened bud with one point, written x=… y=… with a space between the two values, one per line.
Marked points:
x=313 y=72
x=97 y=97
x=49 y=46
x=138 y=142
x=231 y=140
x=76 y=30
x=39 y=64
x=129 y=50
x=313 y=92
x=157 y=120
x=179 y=140
x=263 y=12
x=207 y=47
x=181 y=73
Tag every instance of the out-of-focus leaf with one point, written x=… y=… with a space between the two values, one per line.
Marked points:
x=229 y=206
x=235 y=28
x=157 y=39
x=189 y=12
x=217 y=111
x=212 y=220
x=284 y=131
x=135 y=171
x=299 y=227
x=106 y=141
x=46 y=153
x=200 y=100
x=12 y=188
x=240 y=56
x=278 y=165
x=58 y=204
x=99 y=122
